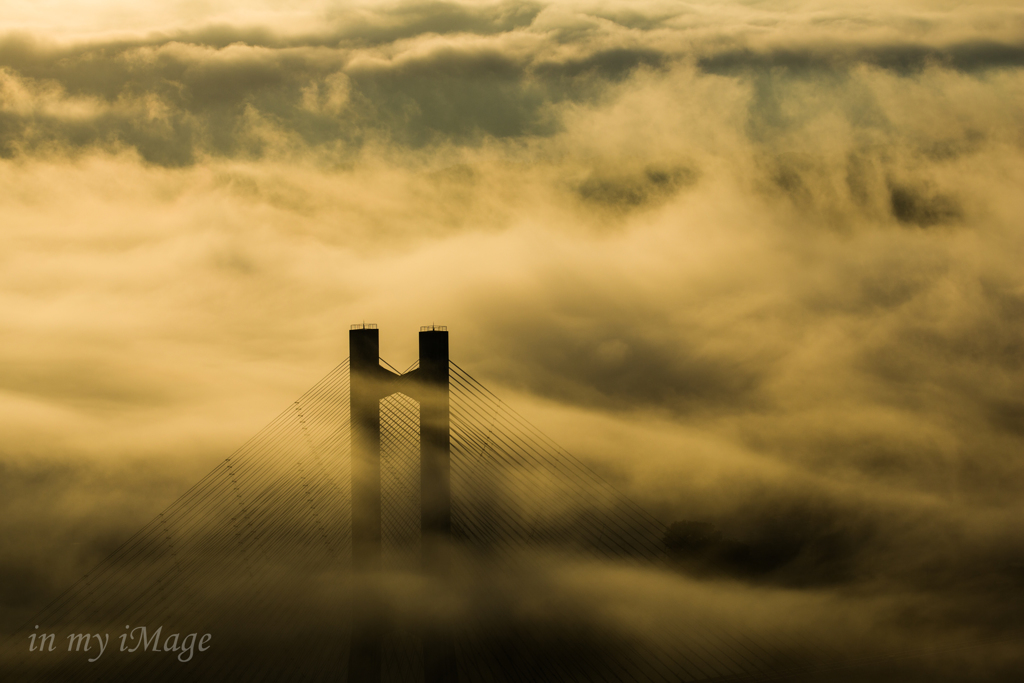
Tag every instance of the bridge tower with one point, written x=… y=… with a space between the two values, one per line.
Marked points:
x=428 y=385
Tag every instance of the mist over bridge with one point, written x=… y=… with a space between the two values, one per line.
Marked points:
x=387 y=526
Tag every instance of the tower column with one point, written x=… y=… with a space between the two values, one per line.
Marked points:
x=364 y=401
x=368 y=383
x=439 y=665
x=435 y=441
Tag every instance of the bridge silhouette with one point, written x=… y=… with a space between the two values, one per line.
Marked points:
x=346 y=541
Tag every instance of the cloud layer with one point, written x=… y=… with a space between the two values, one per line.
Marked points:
x=759 y=262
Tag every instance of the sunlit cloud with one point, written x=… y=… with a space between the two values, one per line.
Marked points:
x=757 y=262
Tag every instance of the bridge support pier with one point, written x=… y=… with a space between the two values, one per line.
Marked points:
x=435 y=447
x=435 y=491
x=368 y=384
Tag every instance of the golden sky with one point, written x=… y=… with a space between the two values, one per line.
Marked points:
x=755 y=259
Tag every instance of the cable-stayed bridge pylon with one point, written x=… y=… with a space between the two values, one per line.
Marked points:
x=347 y=541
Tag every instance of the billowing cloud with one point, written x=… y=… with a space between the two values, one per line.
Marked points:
x=757 y=262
